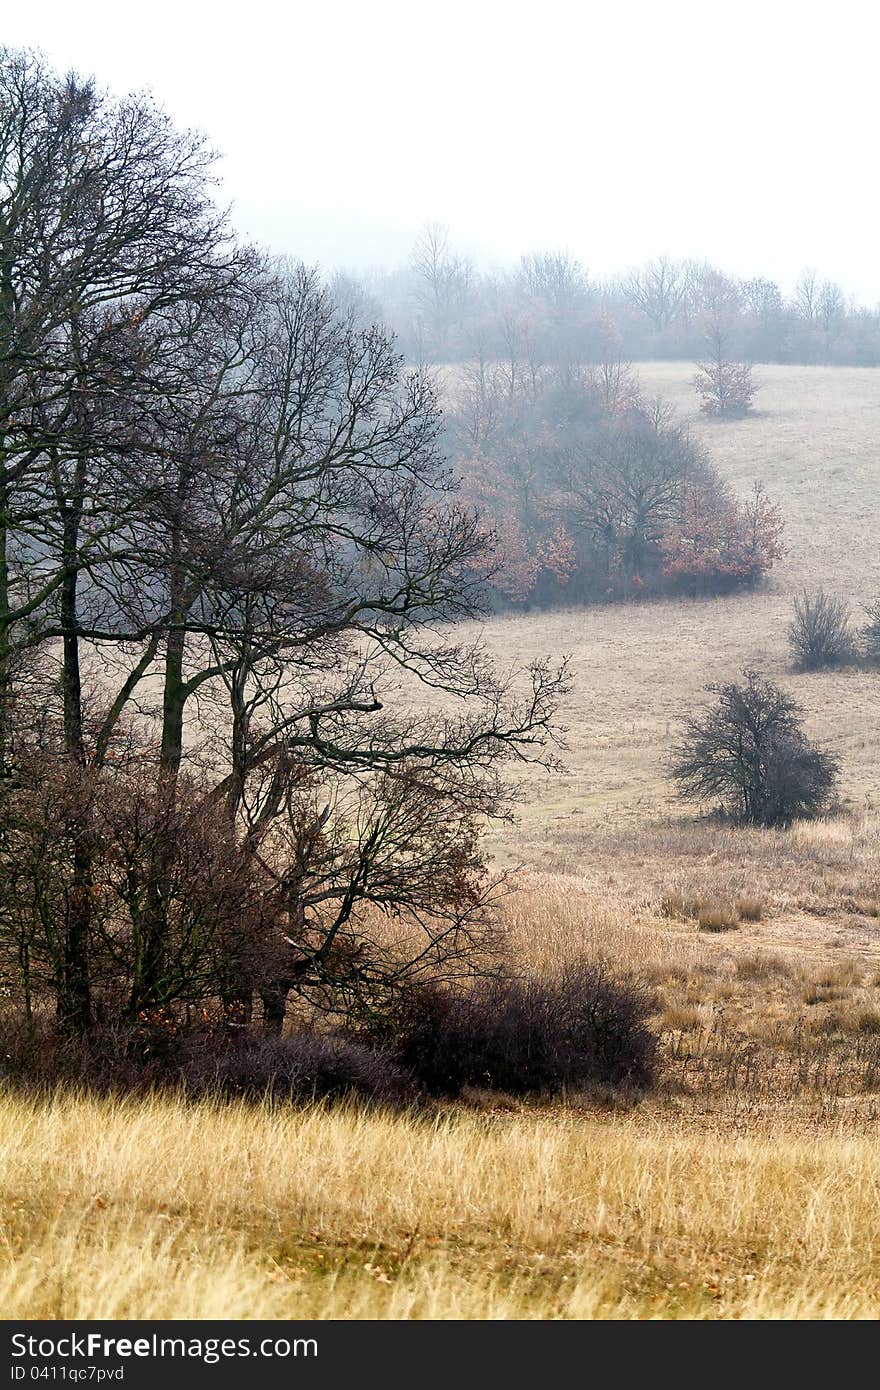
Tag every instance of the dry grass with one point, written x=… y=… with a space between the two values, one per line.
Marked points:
x=788 y=1030
x=745 y=1187
x=155 y=1210
x=815 y=887
x=718 y=919
x=749 y=909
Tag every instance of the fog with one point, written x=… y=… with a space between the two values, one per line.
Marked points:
x=743 y=136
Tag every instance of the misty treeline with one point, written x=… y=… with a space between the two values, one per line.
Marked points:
x=594 y=491
x=548 y=307
x=240 y=754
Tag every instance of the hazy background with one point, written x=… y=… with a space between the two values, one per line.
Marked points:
x=743 y=134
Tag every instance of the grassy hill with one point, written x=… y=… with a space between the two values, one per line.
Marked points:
x=815 y=443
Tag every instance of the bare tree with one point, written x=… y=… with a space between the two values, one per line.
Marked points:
x=660 y=289
x=215 y=476
x=613 y=377
x=558 y=296
x=443 y=283
x=555 y=278
x=106 y=225
x=627 y=482
x=806 y=295
x=713 y=294
x=830 y=315
x=766 y=335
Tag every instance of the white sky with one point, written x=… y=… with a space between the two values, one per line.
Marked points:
x=742 y=132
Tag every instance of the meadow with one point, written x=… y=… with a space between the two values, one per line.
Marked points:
x=747 y=1185
x=814 y=441
x=166 y=1211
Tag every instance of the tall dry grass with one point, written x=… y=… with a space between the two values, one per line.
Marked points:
x=160 y=1210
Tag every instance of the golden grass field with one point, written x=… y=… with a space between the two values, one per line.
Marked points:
x=746 y=1186
x=166 y=1211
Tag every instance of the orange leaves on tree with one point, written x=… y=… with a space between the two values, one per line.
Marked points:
x=719 y=538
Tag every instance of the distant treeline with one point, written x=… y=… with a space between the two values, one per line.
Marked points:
x=592 y=491
x=444 y=309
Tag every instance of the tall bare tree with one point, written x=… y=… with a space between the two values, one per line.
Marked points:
x=215 y=476
x=105 y=224
x=660 y=289
x=443 y=284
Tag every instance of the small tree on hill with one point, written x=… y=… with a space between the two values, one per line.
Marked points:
x=749 y=753
x=725 y=388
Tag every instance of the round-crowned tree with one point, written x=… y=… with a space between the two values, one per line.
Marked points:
x=749 y=754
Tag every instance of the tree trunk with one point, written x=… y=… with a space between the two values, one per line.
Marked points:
x=147 y=986
x=174 y=694
x=5 y=645
x=274 y=999
x=173 y=701
x=71 y=675
x=74 y=998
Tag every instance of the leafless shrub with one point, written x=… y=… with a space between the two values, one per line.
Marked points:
x=297 y=1067
x=177 y=915
x=204 y=1060
x=820 y=635
x=578 y=1029
x=870 y=634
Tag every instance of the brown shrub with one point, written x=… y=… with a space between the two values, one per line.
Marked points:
x=761 y=966
x=299 y=1067
x=718 y=919
x=577 y=1030
x=209 y=1060
x=749 y=909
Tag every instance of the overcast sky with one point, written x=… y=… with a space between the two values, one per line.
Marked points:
x=744 y=132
